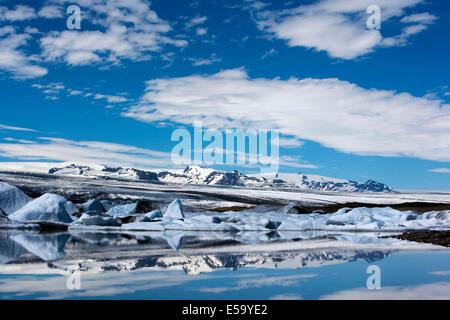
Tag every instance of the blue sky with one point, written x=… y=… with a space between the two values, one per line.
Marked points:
x=349 y=102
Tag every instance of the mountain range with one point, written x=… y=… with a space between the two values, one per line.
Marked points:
x=197 y=175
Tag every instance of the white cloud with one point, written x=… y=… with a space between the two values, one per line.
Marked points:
x=111 y=99
x=19 y=13
x=416 y=24
x=432 y=291
x=334 y=113
x=5 y=127
x=205 y=61
x=425 y=18
x=50 y=12
x=75 y=92
x=31 y=30
x=13 y=60
x=201 y=31
x=339 y=27
x=198 y=20
x=85 y=151
x=125 y=30
x=54 y=90
x=17 y=140
x=269 y=53
x=290 y=143
x=286 y=296
x=441 y=273
x=440 y=170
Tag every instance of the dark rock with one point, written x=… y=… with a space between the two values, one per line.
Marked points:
x=144 y=206
x=3 y=214
x=296 y=209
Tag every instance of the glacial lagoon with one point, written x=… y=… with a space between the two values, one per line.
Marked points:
x=195 y=265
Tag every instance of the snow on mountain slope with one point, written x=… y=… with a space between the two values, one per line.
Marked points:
x=315 y=182
x=208 y=176
x=96 y=171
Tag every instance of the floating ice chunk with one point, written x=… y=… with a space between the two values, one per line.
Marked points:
x=11 y=198
x=96 y=220
x=372 y=218
x=47 y=208
x=107 y=205
x=174 y=210
x=153 y=215
x=123 y=210
x=71 y=208
x=93 y=205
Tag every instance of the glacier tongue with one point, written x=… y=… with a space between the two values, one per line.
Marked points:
x=11 y=198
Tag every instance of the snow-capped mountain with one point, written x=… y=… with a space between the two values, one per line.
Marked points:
x=96 y=171
x=315 y=182
x=206 y=176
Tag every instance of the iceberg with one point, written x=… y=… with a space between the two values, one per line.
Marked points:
x=107 y=205
x=122 y=211
x=47 y=208
x=96 y=220
x=153 y=215
x=11 y=198
x=3 y=214
x=174 y=210
x=93 y=205
x=72 y=208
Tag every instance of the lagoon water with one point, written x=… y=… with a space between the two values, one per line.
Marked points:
x=139 y=266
